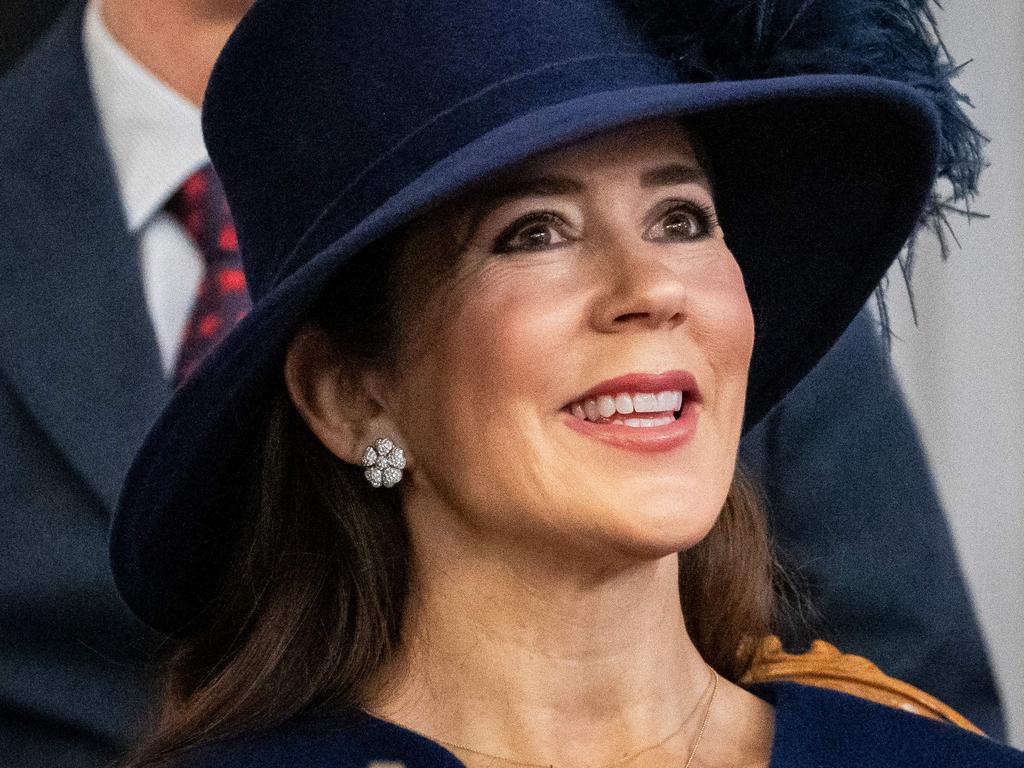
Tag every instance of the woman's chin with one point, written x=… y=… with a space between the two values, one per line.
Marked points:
x=649 y=530
x=661 y=538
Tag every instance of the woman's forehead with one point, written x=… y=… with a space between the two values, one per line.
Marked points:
x=630 y=147
x=657 y=153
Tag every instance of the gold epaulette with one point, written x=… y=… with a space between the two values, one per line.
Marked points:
x=825 y=666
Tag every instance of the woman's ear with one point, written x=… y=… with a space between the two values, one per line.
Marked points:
x=329 y=393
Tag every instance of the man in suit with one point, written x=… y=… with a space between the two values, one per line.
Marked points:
x=98 y=127
x=98 y=279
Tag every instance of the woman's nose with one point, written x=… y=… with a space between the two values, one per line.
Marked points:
x=637 y=289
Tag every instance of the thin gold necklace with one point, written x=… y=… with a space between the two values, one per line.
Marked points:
x=713 y=685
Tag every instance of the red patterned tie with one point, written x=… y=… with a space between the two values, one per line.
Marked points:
x=222 y=299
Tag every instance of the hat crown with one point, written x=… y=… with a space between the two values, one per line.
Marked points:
x=317 y=100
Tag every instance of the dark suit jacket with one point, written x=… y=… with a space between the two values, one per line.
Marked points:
x=24 y=20
x=80 y=382
x=814 y=728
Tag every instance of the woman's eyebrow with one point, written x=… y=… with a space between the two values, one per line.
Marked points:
x=670 y=174
x=528 y=186
x=673 y=174
x=499 y=192
x=488 y=198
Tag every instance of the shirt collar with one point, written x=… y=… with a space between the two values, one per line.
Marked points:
x=154 y=134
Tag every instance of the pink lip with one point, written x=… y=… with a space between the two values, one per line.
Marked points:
x=643 y=439
x=645 y=382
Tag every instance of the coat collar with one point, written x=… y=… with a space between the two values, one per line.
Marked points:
x=817 y=727
x=814 y=728
x=76 y=342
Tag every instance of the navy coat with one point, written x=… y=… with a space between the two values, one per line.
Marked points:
x=814 y=728
x=80 y=382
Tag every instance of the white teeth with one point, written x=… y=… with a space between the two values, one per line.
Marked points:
x=669 y=401
x=648 y=422
x=650 y=402
x=608 y=407
x=645 y=402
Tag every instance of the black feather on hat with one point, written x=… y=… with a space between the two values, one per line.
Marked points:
x=894 y=39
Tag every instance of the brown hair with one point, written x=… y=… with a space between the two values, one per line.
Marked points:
x=313 y=598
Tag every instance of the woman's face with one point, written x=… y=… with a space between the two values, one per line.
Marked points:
x=579 y=381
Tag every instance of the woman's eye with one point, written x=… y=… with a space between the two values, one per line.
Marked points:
x=683 y=221
x=531 y=233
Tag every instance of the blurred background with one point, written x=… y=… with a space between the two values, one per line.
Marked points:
x=962 y=363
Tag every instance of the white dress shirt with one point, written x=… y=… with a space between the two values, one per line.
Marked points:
x=155 y=142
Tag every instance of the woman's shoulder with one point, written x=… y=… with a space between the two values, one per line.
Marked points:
x=350 y=741
x=817 y=726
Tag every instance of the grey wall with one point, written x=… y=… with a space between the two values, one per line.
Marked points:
x=963 y=366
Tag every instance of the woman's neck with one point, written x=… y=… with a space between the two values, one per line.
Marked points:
x=540 y=662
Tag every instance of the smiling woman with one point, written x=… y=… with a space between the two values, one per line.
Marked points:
x=553 y=298
x=475 y=380
x=462 y=488
x=581 y=275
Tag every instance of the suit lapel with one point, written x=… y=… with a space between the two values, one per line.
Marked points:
x=76 y=342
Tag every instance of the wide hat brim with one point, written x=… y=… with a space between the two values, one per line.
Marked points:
x=819 y=181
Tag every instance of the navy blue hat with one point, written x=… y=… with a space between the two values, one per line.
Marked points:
x=333 y=123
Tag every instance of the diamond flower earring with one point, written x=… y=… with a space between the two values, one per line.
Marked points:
x=384 y=462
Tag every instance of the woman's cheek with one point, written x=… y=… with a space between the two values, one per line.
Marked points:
x=721 y=316
x=740 y=317
x=518 y=315
x=723 y=329
x=732 y=300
